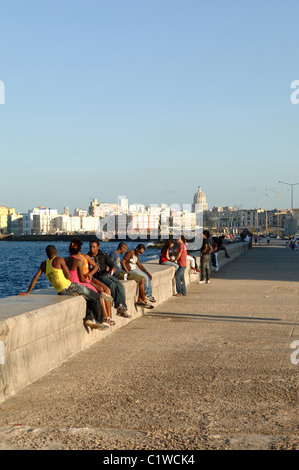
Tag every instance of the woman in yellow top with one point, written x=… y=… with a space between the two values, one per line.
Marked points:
x=58 y=274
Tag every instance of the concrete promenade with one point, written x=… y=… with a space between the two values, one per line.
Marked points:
x=212 y=370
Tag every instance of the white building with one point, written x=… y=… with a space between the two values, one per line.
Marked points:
x=123 y=203
x=200 y=200
x=38 y=220
x=64 y=223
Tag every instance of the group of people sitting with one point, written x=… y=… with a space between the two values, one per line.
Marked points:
x=97 y=276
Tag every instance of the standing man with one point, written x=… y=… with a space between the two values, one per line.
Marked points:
x=205 y=253
x=58 y=275
x=181 y=259
x=116 y=287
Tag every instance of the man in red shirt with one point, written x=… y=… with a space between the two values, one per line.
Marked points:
x=181 y=259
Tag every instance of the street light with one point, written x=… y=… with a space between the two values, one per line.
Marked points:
x=292 y=193
x=277 y=193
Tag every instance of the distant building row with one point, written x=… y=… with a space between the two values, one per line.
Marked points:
x=144 y=219
x=218 y=220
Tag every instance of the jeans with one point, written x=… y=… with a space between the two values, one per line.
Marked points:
x=117 y=289
x=93 y=300
x=147 y=281
x=180 y=280
x=171 y=263
x=214 y=257
x=205 y=267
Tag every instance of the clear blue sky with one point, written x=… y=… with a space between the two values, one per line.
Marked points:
x=148 y=99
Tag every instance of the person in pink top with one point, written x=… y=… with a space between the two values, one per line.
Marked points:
x=181 y=259
x=75 y=266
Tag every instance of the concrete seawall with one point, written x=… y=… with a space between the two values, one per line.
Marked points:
x=39 y=332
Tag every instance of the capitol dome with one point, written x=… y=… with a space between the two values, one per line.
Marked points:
x=200 y=198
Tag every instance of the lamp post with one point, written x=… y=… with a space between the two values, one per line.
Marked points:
x=277 y=193
x=292 y=193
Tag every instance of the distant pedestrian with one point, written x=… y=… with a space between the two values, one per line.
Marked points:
x=294 y=242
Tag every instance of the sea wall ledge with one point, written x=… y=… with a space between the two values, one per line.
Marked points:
x=39 y=332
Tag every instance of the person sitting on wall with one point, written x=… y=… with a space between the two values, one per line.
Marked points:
x=89 y=269
x=105 y=264
x=58 y=275
x=121 y=273
x=214 y=254
x=76 y=267
x=131 y=263
x=221 y=246
x=194 y=268
x=167 y=255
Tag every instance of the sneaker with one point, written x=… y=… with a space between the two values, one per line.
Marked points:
x=148 y=306
x=121 y=308
x=207 y=282
x=201 y=282
x=94 y=324
x=106 y=296
x=123 y=314
x=121 y=311
x=150 y=298
x=144 y=305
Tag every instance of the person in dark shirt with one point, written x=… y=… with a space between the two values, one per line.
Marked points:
x=205 y=254
x=106 y=267
x=221 y=246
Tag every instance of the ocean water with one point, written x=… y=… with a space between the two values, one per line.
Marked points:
x=19 y=262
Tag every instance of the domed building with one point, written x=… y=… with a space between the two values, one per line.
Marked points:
x=200 y=198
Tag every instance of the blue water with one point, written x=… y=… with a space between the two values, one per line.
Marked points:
x=19 y=262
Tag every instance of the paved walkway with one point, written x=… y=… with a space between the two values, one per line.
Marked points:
x=211 y=370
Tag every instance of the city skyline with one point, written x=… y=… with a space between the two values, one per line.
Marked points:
x=261 y=197
x=149 y=99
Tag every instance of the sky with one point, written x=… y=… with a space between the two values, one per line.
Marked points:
x=149 y=99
